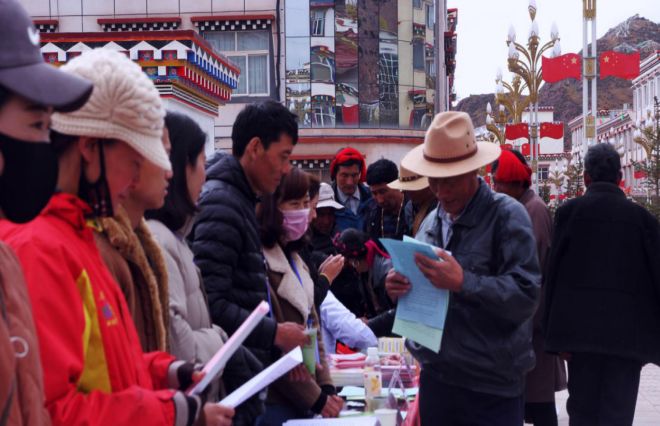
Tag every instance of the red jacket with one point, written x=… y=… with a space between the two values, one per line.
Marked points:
x=95 y=372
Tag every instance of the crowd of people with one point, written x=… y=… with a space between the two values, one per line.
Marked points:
x=128 y=258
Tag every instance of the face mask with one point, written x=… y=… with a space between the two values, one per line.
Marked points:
x=295 y=223
x=28 y=179
x=97 y=194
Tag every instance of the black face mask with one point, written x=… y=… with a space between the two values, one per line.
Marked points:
x=97 y=194
x=28 y=179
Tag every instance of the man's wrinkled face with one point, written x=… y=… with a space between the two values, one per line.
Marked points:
x=348 y=178
x=454 y=193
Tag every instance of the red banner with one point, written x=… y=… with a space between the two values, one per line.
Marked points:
x=516 y=131
x=524 y=149
x=561 y=67
x=622 y=65
x=552 y=130
x=639 y=174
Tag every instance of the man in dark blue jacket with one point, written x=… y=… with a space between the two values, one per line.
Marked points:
x=348 y=172
x=225 y=238
x=478 y=376
x=602 y=305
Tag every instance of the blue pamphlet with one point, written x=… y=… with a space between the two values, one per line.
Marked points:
x=424 y=308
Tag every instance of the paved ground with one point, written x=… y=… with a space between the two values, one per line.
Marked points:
x=647 y=412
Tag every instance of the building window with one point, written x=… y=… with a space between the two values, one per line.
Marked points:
x=543 y=173
x=418 y=55
x=318 y=22
x=430 y=16
x=169 y=55
x=323 y=111
x=417 y=4
x=145 y=55
x=71 y=55
x=249 y=50
x=322 y=64
x=50 y=57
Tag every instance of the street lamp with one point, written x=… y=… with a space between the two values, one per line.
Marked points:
x=525 y=62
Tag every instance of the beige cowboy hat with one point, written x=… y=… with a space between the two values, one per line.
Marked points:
x=450 y=148
x=409 y=181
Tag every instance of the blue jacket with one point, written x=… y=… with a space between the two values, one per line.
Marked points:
x=345 y=218
x=487 y=341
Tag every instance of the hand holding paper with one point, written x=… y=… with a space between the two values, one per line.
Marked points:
x=263 y=379
x=445 y=273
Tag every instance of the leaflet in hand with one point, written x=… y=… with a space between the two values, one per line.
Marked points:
x=215 y=365
x=420 y=313
x=263 y=379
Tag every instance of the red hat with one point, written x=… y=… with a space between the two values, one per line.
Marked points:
x=348 y=154
x=511 y=169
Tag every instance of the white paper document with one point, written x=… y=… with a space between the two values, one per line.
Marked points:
x=263 y=379
x=215 y=365
x=347 y=421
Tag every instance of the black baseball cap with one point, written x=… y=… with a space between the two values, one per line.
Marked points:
x=22 y=67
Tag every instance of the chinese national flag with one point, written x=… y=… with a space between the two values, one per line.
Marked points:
x=639 y=174
x=524 y=149
x=516 y=131
x=552 y=130
x=561 y=67
x=622 y=65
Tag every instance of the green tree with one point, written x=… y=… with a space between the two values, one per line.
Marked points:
x=649 y=139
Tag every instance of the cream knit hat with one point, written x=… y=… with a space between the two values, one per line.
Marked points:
x=125 y=105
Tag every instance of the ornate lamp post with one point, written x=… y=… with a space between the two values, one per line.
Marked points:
x=525 y=62
x=495 y=123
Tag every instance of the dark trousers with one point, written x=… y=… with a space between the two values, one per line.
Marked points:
x=447 y=405
x=541 y=413
x=602 y=390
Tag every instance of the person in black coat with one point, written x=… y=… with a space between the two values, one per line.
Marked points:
x=602 y=306
x=225 y=238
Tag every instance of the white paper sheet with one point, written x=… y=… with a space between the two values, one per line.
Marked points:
x=215 y=365
x=348 y=421
x=263 y=379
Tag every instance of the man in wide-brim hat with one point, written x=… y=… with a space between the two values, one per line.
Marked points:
x=477 y=377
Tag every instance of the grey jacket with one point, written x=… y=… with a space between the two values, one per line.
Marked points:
x=487 y=341
x=192 y=335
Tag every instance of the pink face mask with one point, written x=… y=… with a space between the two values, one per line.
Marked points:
x=295 y=223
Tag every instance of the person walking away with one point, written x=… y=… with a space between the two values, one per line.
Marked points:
x=512 y=176
x=602 y=310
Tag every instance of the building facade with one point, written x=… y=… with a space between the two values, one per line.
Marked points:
x=358 y=72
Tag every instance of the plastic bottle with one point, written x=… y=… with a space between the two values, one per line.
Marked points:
x=372 y=379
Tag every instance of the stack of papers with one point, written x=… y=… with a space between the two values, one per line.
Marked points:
x=420 y=313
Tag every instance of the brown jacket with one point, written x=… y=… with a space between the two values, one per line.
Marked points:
x=136 y=262
x=291 y=301
x=549 y=374
x=21 y=378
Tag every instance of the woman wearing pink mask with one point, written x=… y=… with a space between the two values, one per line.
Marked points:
x=283 y=219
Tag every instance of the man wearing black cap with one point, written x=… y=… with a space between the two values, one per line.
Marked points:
x=30 y=90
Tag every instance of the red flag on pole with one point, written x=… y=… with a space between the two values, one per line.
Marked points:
x=561 y=67
x=639 y=174
x=552 y=130
x=516 y=131
x=524 y=149
x=622 y=65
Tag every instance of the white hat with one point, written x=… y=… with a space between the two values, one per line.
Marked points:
x=125 y=105
x=327 y=198
x=409 y=181
x=450 y=148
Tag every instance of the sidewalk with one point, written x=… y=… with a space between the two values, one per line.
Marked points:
x=647 y=412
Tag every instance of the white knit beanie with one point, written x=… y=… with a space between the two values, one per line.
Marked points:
x=125 y=105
